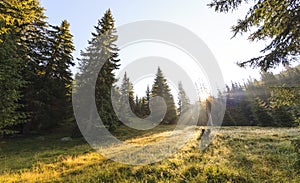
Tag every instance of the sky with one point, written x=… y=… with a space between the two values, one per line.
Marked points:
x=213 y=28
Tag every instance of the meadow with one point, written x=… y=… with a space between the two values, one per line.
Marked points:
x=236 y=154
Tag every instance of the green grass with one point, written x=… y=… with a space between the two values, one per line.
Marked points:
x=237 y=154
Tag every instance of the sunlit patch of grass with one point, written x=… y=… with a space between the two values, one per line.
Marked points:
x=237 y=154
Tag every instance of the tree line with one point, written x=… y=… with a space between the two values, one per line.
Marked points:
x=36 y=81
x=141 y=105
x=264 y=102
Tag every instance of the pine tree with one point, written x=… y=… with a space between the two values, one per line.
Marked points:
x=162 y=89
x=183 y=100
x=61 y=58
x=126 y=97
x=280 y=26
x=262 y=114
x=100 y=46
x=22 y=26
x=34 y=51
x=10 y=85
x=144 y=107
x=238 y=108
x=57 y=77
x=146 y=103
x=16 y=16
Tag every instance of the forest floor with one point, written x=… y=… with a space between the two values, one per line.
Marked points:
x=236 y=154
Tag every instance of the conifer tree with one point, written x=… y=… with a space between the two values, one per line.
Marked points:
x=138 y=106
x=34 y=51
x=127 y=97
x=57 y=77
x=144 y=107
x=22 y=26
x=183 y=100
x=162 y=89
x=146 y=102
x=276 y=20
x=262 y=114
x=10 y=85
x=101 y=45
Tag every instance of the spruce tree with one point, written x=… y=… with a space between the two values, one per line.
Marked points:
x=162 y=89
x=34 y=51
x=61 y=58
x=137 y=106
x=57 y=77
x=183 y=100
x=22 y=27
x=10 y=86
x=101 y=45
x=146 y=103
x=262 y=114
x=275 y=20
x=126 y=97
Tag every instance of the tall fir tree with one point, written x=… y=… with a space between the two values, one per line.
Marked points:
x=146 y=103
x=102 y=51
x=57 y=77
x=144 y=107
x=34 y=49
x=22 y=26
x=10 y=85
x=183 y=100
x=162 y=89
x=137 y=106
x=127 y=97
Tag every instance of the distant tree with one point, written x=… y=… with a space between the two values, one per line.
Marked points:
x=144 y=107
x=142 y=104
x=276 y=20
x=162 y=89
x=271 y=102
x=262 y=113
x=103 y=44
x=137 y=106
x=238 y=107
x=148 y=95
x=287 y=94
x=183 y=100
x=127 y=97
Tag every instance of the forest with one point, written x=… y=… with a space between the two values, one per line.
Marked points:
x=36 y=82
x=37 y=85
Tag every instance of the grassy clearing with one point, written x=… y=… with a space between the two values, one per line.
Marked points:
x=237 y=154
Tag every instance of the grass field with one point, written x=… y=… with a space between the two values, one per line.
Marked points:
x=237 y=154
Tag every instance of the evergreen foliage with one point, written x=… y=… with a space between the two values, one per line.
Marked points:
x=264 y=102
x=10 y=84
x=161 y=88
x=102 y=51
x=127 y=103
x=277 y=20
x=183 y=100
x=34 y=71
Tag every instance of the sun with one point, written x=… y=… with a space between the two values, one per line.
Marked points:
x=203 y=95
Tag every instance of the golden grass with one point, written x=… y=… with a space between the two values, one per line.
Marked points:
x=243 y=154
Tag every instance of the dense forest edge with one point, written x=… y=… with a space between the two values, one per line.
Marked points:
x=40 y=140
x=36 y=80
